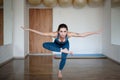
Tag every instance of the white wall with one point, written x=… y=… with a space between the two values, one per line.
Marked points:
x=19 y=20
x=110 y=50
x=81 y=20
x=115 y=25
x=26 y=33
x=6 y=51
x=8 y=21
x=21 y=37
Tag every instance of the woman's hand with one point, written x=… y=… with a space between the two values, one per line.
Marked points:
x=24 y=28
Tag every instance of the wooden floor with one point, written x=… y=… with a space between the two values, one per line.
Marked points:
x=46 y=67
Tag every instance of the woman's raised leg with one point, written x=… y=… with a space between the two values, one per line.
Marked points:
x=51 y=46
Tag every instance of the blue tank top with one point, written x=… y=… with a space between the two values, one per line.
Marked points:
x=57 y=39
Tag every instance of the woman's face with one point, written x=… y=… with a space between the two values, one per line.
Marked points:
x=63 y=32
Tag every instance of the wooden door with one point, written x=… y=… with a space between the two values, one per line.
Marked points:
x=1 y=27
x=41 y=20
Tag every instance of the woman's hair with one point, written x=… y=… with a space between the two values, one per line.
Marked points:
x=62 y=26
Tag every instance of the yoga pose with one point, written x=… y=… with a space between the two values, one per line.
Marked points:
x=61 y=42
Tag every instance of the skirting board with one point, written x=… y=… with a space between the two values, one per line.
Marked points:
x=7 y=61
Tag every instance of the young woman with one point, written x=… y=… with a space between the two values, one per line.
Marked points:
x=61 y=42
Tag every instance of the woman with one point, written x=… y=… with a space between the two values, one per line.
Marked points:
x=61 y=43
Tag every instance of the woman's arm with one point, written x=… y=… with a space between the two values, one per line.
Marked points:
x=50 y=34
x=72 y=34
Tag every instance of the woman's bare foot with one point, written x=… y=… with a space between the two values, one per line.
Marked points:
x=66 y=51
x=59 y=74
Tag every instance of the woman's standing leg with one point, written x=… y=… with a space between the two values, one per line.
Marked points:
x=63 y=59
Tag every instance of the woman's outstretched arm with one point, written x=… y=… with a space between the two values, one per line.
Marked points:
x=49 y=34
x=72 y=34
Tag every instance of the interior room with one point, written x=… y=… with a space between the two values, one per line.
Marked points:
x=94 y=57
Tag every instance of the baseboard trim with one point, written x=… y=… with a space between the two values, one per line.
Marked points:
x=7 y=61
x=113 y=60
x=41 y=54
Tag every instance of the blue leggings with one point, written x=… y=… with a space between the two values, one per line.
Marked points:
x=53 y=46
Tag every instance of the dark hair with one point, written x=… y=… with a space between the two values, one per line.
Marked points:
x=62 y=26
